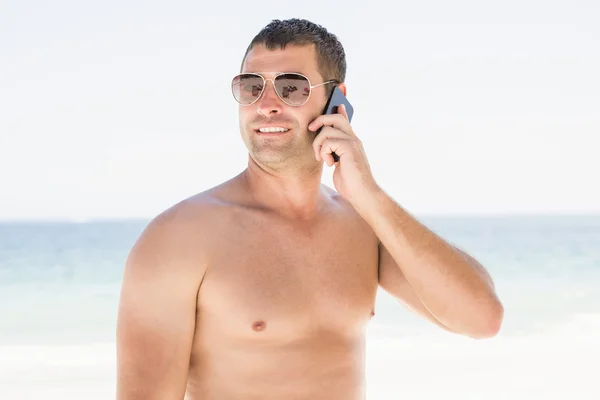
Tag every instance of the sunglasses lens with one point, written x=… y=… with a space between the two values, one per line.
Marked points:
x=293 y=88
x=247 y=88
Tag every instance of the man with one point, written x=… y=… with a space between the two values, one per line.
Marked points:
x=261 y=287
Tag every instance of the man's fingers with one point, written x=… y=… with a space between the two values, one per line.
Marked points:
x=332 y=146
x=327 y=133
x=337 y=121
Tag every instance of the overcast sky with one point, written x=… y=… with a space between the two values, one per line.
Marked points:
x=119 y=109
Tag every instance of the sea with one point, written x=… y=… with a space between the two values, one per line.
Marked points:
x=60 y=284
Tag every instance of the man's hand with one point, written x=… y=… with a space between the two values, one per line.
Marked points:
x=352 y=176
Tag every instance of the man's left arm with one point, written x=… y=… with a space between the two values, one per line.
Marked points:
x=431 y=276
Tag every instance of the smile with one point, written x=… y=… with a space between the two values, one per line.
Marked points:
x=273 y=129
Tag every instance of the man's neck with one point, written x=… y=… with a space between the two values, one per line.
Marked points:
x=293 y=194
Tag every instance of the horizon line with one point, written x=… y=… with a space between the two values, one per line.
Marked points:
x=506 y=214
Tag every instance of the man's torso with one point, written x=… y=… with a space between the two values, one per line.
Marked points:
x=283 y=305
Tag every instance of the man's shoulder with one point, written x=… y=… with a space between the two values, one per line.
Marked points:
x=342 y=205
x=197 y=212
x=185 y=230
x=347 y=213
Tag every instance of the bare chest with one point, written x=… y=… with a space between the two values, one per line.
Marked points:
x=286 y=283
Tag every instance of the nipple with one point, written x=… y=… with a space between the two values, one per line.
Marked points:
x=372 y=313
x=259 y=326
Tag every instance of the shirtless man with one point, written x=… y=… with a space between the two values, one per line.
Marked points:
x=262 y=287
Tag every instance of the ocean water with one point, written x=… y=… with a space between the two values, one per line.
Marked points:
x=60 y=283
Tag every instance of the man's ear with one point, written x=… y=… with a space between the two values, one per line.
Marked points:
x=343 y=88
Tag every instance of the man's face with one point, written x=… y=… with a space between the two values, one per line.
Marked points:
x=291 y=149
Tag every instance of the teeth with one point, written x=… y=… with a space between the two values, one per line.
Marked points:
x=272 y=129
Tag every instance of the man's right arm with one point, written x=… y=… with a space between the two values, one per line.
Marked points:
x=157 y=310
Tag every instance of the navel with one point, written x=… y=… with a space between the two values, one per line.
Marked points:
x=259 y=326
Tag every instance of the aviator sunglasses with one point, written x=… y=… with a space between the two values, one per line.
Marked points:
x=292 y=88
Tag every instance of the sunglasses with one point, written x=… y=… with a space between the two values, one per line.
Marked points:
x=292 y=88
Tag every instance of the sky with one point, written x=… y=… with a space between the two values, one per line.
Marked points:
x=120 y=109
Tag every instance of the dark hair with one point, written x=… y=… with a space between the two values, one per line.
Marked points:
x=331 y=58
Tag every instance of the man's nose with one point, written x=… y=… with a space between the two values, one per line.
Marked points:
x=269 y=103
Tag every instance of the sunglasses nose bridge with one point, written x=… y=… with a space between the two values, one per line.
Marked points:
x=277 y=94
x=282 y=96
x=272 y=84
x=268 y=103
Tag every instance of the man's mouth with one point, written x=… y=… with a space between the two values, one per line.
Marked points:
x=272 y=129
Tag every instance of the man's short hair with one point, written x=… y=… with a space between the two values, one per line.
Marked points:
x=331 y=58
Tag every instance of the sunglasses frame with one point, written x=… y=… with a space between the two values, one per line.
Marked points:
x=258 y=74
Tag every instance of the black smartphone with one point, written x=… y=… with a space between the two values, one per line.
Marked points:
x=337 y=98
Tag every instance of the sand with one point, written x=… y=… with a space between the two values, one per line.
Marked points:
x=559 y=367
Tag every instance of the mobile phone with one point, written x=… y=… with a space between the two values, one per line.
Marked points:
x=337 y=98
